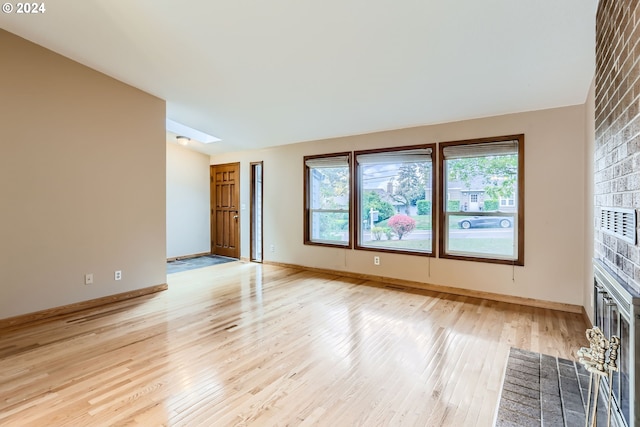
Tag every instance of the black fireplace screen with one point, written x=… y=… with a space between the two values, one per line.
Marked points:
x=617 y=313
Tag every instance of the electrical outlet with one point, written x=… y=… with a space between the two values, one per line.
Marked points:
x=88 y=279
x=272 y=248
x=118 y=275
x=376 y=260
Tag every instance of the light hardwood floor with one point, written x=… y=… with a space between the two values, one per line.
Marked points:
x=245 y=344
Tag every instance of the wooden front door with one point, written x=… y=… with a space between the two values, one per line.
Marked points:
x=225 y=215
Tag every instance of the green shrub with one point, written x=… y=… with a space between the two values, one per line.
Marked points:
x=490 y=205
x=424 y=207
x=377 y=232
x=388 y=232
x=453 y=206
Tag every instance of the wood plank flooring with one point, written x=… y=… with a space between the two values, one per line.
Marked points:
x=245 y=344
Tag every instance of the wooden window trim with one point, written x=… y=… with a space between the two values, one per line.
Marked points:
x=519 y=261
x=307 y=202
x=357 y=190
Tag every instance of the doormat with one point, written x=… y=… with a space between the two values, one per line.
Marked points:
x=198 y=262
x=542 y=390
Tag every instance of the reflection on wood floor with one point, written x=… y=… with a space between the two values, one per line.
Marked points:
x=249 y=344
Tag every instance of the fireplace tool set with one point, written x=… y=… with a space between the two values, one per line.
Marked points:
x=599 y=359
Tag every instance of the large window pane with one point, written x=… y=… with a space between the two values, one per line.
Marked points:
x=329 y=226
x=481 y=235
x=394 y=196
x=482 y=198
x=327 y=193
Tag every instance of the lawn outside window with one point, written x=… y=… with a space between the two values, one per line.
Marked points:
x=394 y=199
x=481 y=196
x=327 y=213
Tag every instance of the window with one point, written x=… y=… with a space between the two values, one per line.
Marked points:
x=491 y=226
x=255 y=232
x=507 y=202
x=327 y=181
x=394 y=190
x=480 y=195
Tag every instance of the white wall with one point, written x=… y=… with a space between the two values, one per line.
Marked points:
x=554 y=202
x=82 y=182
x=188 y=206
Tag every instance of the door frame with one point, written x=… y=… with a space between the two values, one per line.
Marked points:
x=212 y=201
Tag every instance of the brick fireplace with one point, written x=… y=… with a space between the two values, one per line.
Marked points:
x=617 y=189
x=617 y=139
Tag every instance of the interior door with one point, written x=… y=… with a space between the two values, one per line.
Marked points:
x=225 y=216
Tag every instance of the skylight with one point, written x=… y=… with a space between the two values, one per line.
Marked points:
x=194 y=134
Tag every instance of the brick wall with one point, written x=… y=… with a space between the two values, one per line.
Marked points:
x=617 y=140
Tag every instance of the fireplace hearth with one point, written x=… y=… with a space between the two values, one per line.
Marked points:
x=617 y=312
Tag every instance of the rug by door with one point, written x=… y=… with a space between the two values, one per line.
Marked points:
x=197 y=262
x=542 y=390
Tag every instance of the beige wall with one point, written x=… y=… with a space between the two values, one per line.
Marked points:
x=188 y=206
x=82 y=180
x=555 y=202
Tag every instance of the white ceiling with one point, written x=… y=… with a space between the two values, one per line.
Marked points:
x=264 y=73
